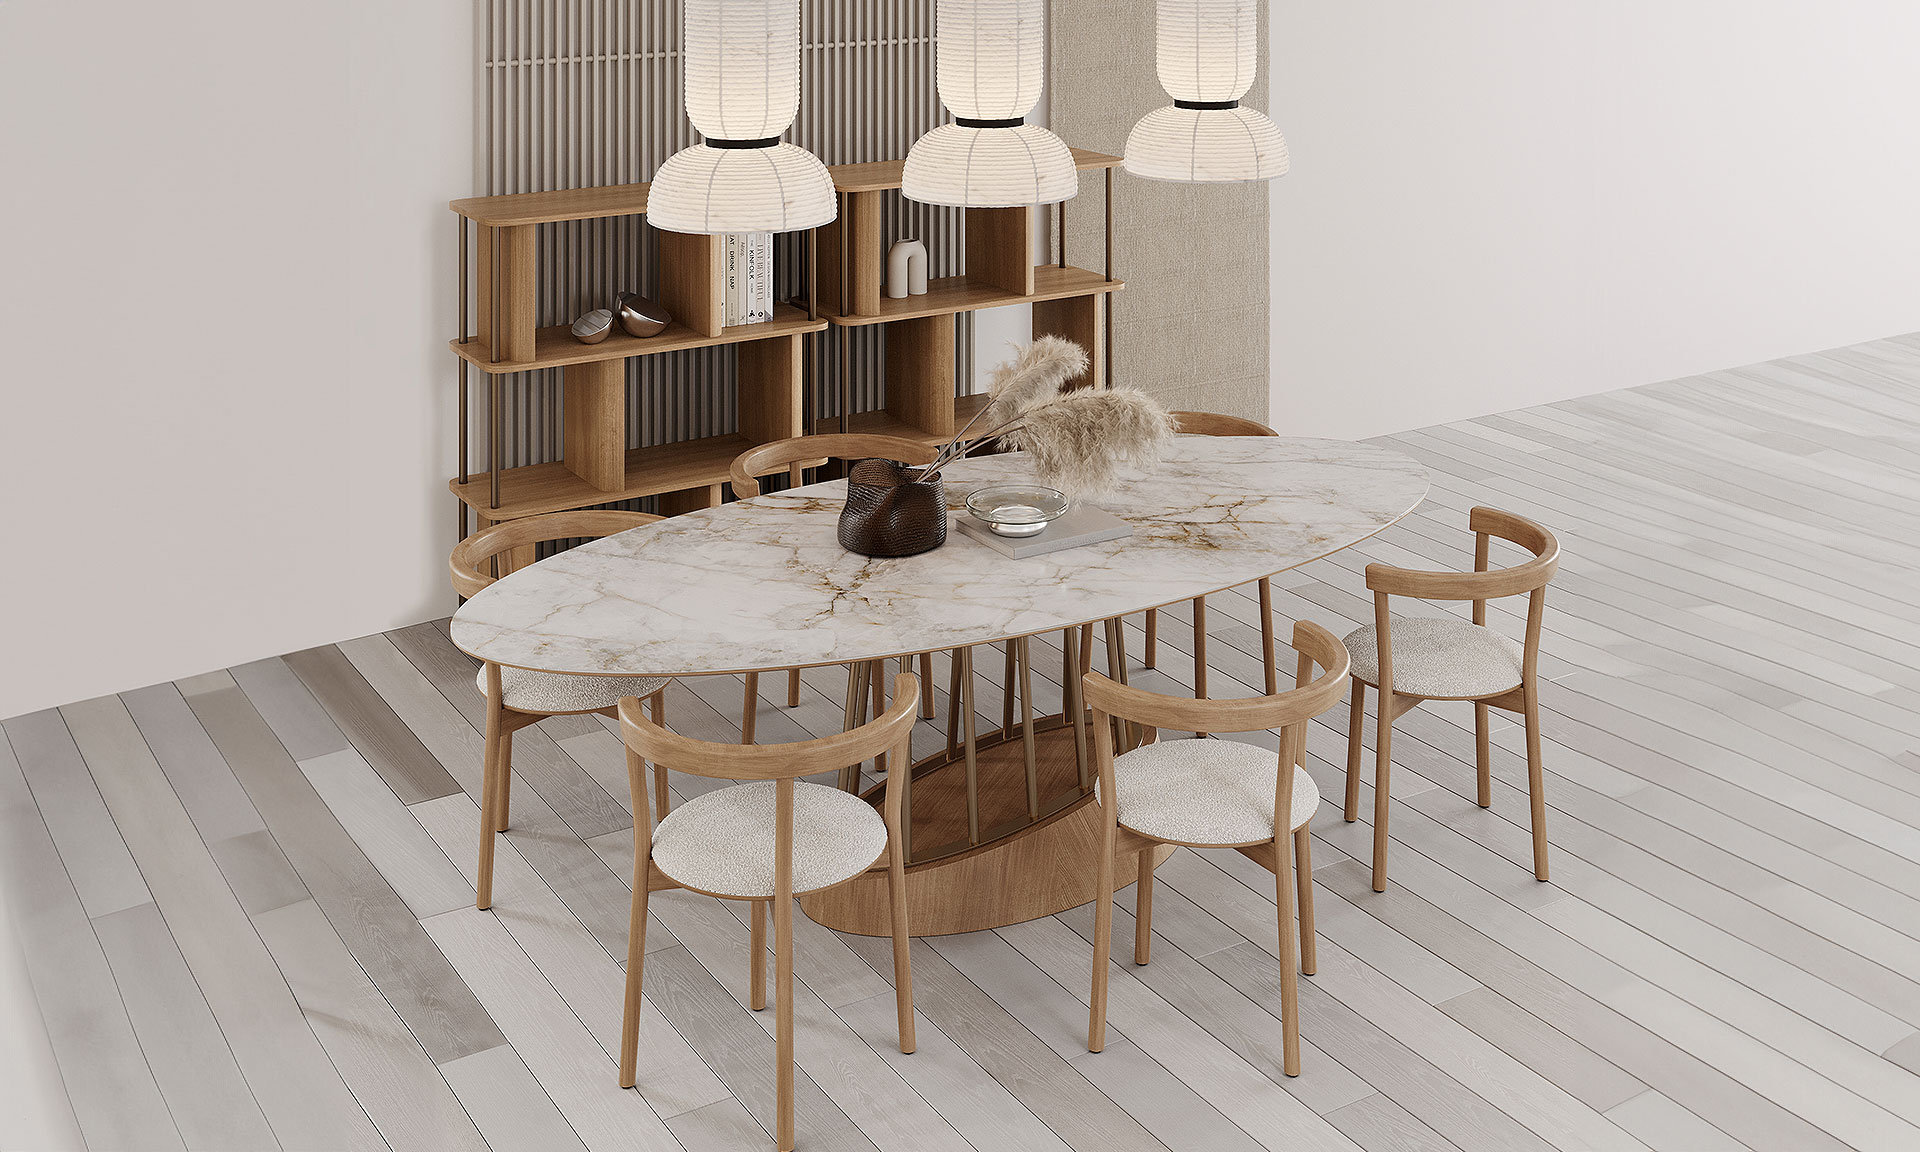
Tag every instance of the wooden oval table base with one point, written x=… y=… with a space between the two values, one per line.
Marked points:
x=1020 y=870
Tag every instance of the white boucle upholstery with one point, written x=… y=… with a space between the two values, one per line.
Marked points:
x=722 y=841
x=1206 y=791
x=552 y=692
x=1440 y=658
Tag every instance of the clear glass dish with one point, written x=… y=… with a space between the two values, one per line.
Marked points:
x=1017 y=509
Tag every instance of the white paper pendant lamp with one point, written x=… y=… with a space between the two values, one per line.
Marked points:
x=1206 y=52
x=990 y=62
x=742 y=64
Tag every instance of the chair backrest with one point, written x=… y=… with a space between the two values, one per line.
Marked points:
x=807 y=451
x=1219 y=424
x=469 y=562
x=1289 y=711
x=1480 y=585
x=781 y=763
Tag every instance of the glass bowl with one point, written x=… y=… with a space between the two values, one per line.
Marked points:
x=1017 y=509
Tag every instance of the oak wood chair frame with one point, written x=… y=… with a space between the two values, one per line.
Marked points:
x=1530 y=579
x=469 y=565
x=1291 y=712
x=796 y=455
x=648 y=743
x=1217 y=424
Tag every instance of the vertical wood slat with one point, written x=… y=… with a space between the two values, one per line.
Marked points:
x=586 y=92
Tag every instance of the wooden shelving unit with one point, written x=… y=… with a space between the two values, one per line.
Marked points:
x=597 y=467
x=919 y=331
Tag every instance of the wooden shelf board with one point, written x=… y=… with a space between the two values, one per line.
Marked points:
x=547 y=207
x=551 y=487
x=554 y=347
x=884 y=423
x=881 y=175
x=951 y=294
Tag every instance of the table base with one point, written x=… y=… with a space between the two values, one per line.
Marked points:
x=1020 y=870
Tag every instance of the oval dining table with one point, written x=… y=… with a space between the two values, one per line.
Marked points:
x=762 y=585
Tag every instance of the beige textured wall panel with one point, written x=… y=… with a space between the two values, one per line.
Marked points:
x=1192 y=326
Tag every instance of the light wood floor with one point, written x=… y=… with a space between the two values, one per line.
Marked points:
x=246 y=897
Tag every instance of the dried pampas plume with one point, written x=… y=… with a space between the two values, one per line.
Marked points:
x=1078 y=440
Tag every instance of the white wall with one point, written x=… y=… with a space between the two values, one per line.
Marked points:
x=225 y=292
x=1498 y=203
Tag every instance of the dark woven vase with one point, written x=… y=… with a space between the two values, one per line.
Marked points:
x=892 y=511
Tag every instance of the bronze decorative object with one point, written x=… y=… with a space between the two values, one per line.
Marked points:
x=640 y=316
x=893 y=509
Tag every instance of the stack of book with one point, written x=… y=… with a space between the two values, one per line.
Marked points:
x=749 y=274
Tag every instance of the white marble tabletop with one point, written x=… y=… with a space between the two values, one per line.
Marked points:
x=763 y=584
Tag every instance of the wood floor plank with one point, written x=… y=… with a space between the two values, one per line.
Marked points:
x=96 y=858
x=1379 y=1125
x=564 y=1057
x=209 y=1099
x=396 y=1081
x=507 y=1104
x=1667 y=1127
x=387 y=743
x=393 y=840
x=370 y=917
x=298 y=1087
x=115 y=1099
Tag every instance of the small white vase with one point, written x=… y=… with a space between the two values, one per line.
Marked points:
x=907 y=269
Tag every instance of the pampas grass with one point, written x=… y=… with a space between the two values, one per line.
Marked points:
x=1078 y=440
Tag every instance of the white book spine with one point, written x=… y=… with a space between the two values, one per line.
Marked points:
x=733 y=297
x=763 y=294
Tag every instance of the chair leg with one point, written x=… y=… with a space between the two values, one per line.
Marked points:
x=503 y=779
x=1102 y=937
x=793 y=688
x=902 y=947
x=636 y=961
x=1382 y=771
x=1483 y=752
x=489 y=797
x=1303 y=871
x=1143 y=909
x=1354 y=749
x=749 y=708
x=1267 y=640
x=783 y=1018
x=926 y=685
x=1153 y=638
x=757 y=967
x=1289 y=960
x=1536 y=783
x=658 y=706
x=1199 y=650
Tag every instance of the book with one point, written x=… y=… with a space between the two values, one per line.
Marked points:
x=1083 y=524
x=732 y=310
x=748 y=271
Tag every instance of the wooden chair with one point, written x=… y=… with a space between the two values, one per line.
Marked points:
x=1215 y=424
x=794 y=456
x=1411 y=659
x=1214 y=794
x=518 y=697
x=739 y=843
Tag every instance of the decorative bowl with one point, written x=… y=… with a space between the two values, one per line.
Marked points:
x=593 y=327
x=639 y=316
x=1017 y=509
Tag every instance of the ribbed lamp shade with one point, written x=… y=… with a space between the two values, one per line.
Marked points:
x=1206 y=52
x=743 y=91
x=990 y=62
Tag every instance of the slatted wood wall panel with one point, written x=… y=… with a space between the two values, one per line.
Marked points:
x=582 y=93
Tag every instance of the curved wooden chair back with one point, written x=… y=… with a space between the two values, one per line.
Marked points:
x=469 y=562
x=1219 y=424
x=805 y=451
x=1310 y=697
x=1480 y=585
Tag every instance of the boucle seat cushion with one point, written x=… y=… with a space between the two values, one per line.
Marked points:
x=722 y=841
x=1215 y=792
x=552 y=692
x=1440 y=658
